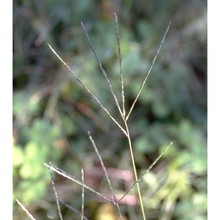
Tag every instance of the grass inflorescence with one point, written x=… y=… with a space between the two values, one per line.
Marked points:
x=123 y=126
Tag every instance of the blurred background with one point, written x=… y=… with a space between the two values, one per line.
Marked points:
x=52 y=112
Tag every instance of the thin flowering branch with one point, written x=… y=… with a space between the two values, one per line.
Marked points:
x=71 y=208
x=146 y=171
x=83 y=195
x=101 y=68
x=26 y=211
x=56 y=195
x=149 y=70
x=87 y=89
x=105 y=172
x=72 y=178
x=120 y=65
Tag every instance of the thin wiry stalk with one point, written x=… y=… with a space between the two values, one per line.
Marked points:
x=135 y=170
x=56 y=195
x=120 y=65
x=149 y=70
x=72 y=178
x=88 y=90
x=73 y=209
x=105 y=172
x=101 y=68
x=125 y=121
x=83 y=193
x=125 y=128
x=26 y=211
x=146 y=171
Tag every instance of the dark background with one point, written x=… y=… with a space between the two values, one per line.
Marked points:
x=52 y=112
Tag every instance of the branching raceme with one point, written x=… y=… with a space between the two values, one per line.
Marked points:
x=124 y=129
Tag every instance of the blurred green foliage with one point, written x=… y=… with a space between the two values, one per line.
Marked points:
x=52 y=113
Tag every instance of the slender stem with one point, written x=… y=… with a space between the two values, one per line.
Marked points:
x=135 y=170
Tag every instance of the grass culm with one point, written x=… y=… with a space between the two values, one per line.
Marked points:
x=123 y=125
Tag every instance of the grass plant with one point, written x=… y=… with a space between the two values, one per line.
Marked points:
x=123 y=125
